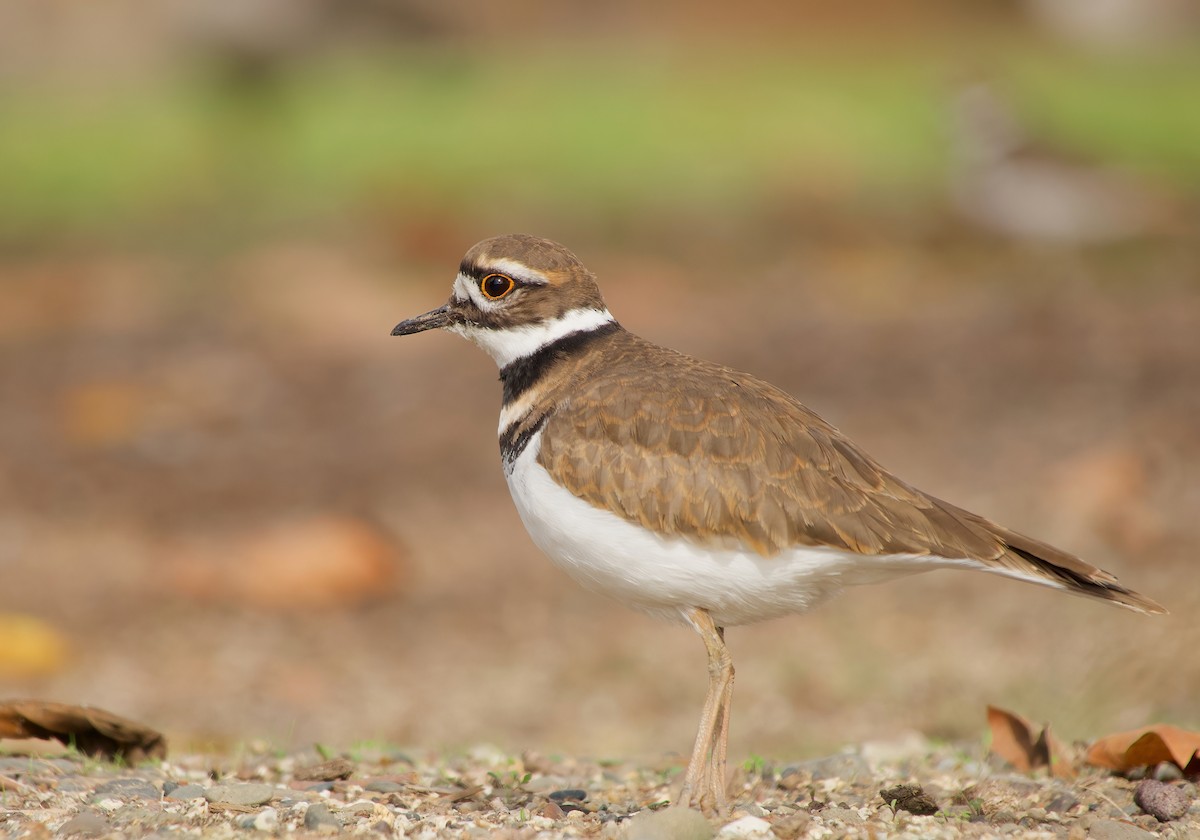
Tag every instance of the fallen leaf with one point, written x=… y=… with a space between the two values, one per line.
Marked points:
x=29 y=646
x=1014 y=740
x=312 y=563
x=92 y=731
x=1147 y=746
x=104 y=413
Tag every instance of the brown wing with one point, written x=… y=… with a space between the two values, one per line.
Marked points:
x=699 y=451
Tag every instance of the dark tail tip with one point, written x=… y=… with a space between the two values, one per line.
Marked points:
x=1076 y=576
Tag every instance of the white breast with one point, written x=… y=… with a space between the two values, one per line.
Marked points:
x=658 y=575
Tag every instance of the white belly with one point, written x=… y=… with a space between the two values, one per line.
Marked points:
x=658 y=575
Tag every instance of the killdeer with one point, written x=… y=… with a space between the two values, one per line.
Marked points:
x=691 y=491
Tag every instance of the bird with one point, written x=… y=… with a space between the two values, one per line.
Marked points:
x=1008 y=182
x=691 y=491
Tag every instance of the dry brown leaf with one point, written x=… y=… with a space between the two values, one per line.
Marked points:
x=325 y=561
x=92 y=731
x=30 y=646
x=1018 y=742
x=104 y=413
x=1149 y=745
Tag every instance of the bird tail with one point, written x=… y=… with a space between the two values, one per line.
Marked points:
x=1066 y=571
x=1038 y=562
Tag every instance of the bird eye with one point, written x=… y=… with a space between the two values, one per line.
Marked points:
x=496 y=286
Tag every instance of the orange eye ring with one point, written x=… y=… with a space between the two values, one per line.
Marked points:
x=496 y=286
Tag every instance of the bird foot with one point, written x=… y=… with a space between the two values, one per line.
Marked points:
x=706 y=793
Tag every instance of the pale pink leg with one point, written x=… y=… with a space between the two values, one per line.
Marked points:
x=704 y=783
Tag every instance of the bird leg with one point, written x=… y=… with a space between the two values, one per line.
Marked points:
x=704 y=783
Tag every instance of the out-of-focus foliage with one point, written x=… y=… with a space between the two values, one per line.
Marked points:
x=592 y=126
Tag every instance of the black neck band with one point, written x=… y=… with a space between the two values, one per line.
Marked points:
x=521 y=375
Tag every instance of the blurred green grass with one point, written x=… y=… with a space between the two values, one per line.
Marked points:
x=586 y=126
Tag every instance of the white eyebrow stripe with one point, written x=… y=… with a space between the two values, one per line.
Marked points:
x=516 y=270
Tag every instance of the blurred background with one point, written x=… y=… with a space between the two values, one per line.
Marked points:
x=233 y=508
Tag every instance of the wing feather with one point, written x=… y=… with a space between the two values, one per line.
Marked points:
x=695 y=450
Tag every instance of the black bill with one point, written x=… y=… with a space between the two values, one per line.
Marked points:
x=434 y=320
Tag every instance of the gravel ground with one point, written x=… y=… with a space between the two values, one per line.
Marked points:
x=486 y=793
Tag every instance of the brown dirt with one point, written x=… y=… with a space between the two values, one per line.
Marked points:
x=162 y=411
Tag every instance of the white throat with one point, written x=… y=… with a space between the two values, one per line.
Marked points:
x=508 y=345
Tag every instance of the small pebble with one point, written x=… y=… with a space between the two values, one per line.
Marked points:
x=18 y=766
x=320 y=819
x=669 y=824
x=1147 y=822
x=793 y=825
x=843 y=815
x=746 y=828
x=569 y=794
x=137 y=815
x=1162 y=801
x=266 y=820
x=752 y=809
x=1168 y=771
x=188 y=791
x=326 y=771
x=359 y=809
x=383 y=786
x=1061 y=803
x=85 y=824
x=126 y=789
x=240 y=794
x=73 y=784
x=1115 y=830
x=793 y=778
